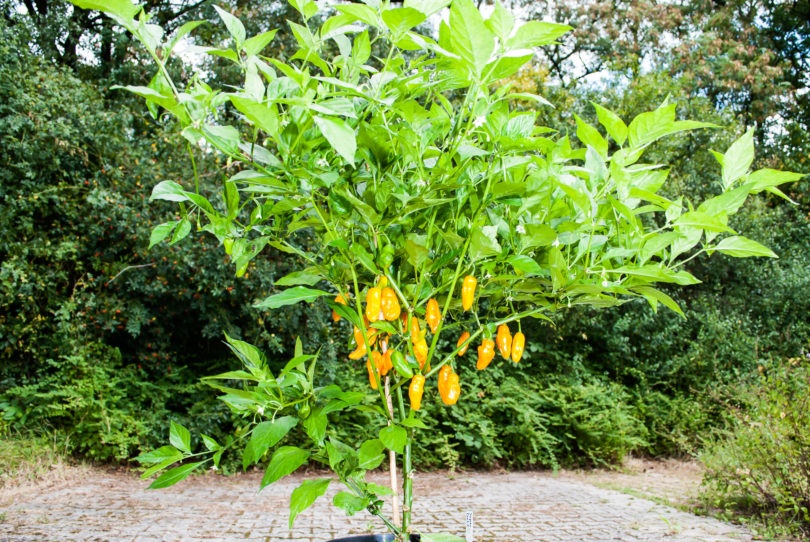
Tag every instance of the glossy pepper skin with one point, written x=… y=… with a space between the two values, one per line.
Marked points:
x=518 y=344
x=371 y=379
x=453 y=390
x=415 y=332
x=468 y=291
x=486 y=353
x=387 y=365
x=464 y=337
x=443 y=380
x=415 y=391
x=390 y=304
x=420 y=351
x=432 y=315
x=373 y=304
x=361 y=344
x=336 y=316
x=401 y=364
x=504 y=340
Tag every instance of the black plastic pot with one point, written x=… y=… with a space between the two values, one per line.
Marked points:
x=372 y=538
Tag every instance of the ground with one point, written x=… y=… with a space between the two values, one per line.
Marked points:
x=625 y=505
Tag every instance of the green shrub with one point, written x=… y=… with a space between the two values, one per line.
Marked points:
x=760 y=464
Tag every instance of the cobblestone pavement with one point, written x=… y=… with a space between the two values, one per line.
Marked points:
x=525 y=506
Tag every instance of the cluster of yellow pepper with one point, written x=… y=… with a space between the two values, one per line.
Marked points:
x=382 y=304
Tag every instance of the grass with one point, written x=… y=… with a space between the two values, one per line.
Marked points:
x=27 y=460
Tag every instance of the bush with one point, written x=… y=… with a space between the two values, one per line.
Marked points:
x=760 y=464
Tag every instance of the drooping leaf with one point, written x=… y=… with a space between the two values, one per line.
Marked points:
x=285 y=461
x=305 y=495
x=340 y=135
x=742 y=247
x=266 y=435
x=169 y=478
x=290 y=296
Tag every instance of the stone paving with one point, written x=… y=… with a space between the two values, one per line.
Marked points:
x=520 y=506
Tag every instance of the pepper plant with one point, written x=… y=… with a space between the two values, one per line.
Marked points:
x=437 y=208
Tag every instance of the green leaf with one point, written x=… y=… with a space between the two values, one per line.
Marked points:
x=484 y=243
x=400 y=20
x=370 y=455
x=361 y=12
x=738 y=158
x=181 y=33
x=246 y=352
x=262 y=115
x=768 y=179
x=590 y=136
x=350 y=502
x=378 y=490
x=160 y=232
x=284 y=461
x=183 y=229
x=179 y=437
x=124 y=9
x=364 y=257
x=697 y=219
x=654 y=296
x=295 y=363
x=161 y=454
x=361 y=49
x=264 y=436
x=210 y=444
x=742 y=247
x=501 y=22
x=654 y=273
x=614 y=125
x=537 y=235
x=169 y=191
x=653 y=125
x=413 y=422
x=298 y=277
x=394 y=438
x=525 y=266
x=536 y=33
x=234 y=25
x=231 y=375
x=169 y=478
x=315 y=425
x=470 y=37
x=290 y=296
x=256 y=44
x=340 y=135
x=305 y=495
x=225 y=138
x=727 y=202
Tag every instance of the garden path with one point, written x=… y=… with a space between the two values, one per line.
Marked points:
x=527 y=506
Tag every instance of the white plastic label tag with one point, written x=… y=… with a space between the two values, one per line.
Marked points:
x=469 y=527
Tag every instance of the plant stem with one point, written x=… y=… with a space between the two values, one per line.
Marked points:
x=392 y=460
x=407 y=474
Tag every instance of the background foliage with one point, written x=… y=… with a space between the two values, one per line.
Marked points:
x=98 y=363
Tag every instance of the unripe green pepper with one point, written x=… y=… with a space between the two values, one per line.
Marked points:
x=304 y=410
x=401 y=364
x=386 y=257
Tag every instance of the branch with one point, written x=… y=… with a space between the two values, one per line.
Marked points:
x=127 y=268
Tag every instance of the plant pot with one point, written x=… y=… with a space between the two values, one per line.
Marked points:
x=372 y=538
